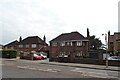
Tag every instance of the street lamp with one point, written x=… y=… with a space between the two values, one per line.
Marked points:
x=106 y=50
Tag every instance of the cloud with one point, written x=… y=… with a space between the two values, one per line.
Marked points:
x=25 y=18
x=53 y=17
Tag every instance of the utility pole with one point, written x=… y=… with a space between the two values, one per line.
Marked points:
x=106 y=51
x=106 y=59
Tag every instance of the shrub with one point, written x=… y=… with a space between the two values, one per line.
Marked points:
x=9 y=53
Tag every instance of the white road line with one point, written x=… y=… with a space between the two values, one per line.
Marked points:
x=39 y=68
x=32 y=68
x=23 y=67
x=58 y=70
x=92 y=74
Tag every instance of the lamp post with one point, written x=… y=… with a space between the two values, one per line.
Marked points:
x=106 y=59
x=106 y=51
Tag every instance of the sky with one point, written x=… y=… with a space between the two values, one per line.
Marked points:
x=54 y=17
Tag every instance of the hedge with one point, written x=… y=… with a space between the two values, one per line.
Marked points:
x=8 y=53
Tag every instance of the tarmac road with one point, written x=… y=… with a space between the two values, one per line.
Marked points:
x=25 y=69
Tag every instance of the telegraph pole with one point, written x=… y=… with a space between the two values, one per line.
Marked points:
x=106 y=51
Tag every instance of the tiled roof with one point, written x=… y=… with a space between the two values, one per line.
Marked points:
x=14 y=43
x=70 y=36
x=32 y=40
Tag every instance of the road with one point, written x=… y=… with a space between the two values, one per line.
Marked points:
x=27 y=69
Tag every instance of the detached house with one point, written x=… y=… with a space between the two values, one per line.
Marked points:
x=11 y=45
x=32 y=43
x=73 y=45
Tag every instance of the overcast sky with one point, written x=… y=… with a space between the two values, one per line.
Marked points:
x=53 y=17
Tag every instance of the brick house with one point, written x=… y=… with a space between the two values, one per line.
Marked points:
x=31 y=43
x=114 y=42
x=71 y=44
x=11 y=45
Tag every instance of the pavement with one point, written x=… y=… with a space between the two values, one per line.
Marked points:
x=90 y=66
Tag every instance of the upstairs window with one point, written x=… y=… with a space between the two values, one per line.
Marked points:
x=20 y=46
x=27 y=45
x=34 y=45
x=79 y=43
x=62 y=44
x=54 y=43
x=69 y=43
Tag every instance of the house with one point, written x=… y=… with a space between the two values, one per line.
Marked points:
x=114 y=42
x=11 y=45
x=31 y=43
x=1 y=46
x=73 y=45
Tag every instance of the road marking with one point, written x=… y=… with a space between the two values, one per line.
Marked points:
x=38 y=68
x=23 y=67
x=32 y=68
x=93 y=74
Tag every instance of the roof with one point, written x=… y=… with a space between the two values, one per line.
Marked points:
x=32 y=40
x=70 y=36
x=14 y=43
x=1 y=45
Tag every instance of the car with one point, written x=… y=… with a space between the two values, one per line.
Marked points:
x=31 y=55
x=37 y=57
x=114 y=58
x=43 y=56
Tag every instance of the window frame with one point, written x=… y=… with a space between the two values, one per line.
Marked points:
x=54 y=44
x=27 y=46
x=33 y=45
x=62 y=44
x=79 y=43
x=69 y=43
x=20 y=46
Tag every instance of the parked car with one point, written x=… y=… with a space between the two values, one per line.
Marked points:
x=36 y=57
x=43 y=56
x=114 y=58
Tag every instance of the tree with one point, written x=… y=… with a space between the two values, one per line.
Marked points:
x=95 y=43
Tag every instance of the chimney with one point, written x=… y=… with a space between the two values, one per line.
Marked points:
x=109 y=33
x=88 y=33
x=20 y=39
x=44 y=38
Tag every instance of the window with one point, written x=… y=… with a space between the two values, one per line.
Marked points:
x=79 y=54
x=27 y=46
x=12 y=47
x=34 y=45
x=69 y=43
x=21 y=46
x=79 y=43
x=54 y=43
x=62 y=44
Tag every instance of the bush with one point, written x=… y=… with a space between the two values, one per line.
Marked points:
x=8 y=53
